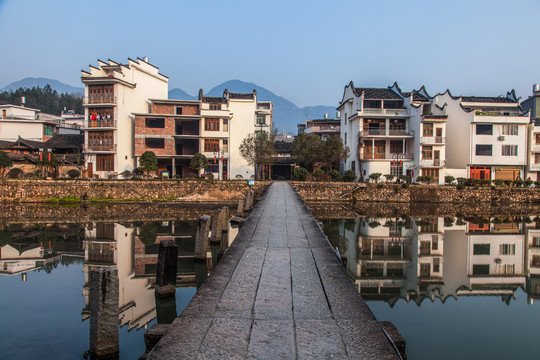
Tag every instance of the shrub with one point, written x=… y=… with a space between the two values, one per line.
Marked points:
x=73 y=173
x=425 y=179
x=405 y=185
x=449 y=179
x=375 y=176
x=498 y=182
x=389 y=177
x=528 y=183
x=461 y=181
x=518 y=183
x=14 y=173
x=318 y=174
x=405 y=178
x=507 y=182
x=349 y=176
x=537 y=184
x=137 y=172
x=126 y=174
x=334 y=174
x=300 y=173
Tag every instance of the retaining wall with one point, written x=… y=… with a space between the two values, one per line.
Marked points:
x=395 y=193
x=41 y=190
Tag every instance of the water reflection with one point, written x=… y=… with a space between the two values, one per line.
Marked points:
x=127 y=250
x=440 y=257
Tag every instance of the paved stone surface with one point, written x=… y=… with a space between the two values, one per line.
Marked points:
x=279 y=292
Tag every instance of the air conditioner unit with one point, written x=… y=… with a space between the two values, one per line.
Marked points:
x=500 y=138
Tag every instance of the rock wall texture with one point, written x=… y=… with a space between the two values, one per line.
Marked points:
x=42 y=190
x=395 y=193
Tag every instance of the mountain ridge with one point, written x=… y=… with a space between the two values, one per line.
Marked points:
x=286 y=115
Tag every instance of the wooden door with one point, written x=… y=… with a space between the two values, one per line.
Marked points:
x=90 y=170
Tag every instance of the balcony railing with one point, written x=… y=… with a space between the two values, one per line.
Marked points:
x=432 y=140
x=386 y=132
x=366 y=155
x=98 y=124
x=388 y=112
x=431 y=163
x=535 y=147
x=100 y=147
x=97 y=100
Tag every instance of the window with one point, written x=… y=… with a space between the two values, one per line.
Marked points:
x=96 y=138
x=154 y=143
x=509 y=129
x=105 y=163
x=155 y=123
x=372 y=104
x=178 y=110
x=261 y=119
x=211 y=145
x=225 y=124
x=427 y=152
x=345 y=117
x=484 y=129
x=353 y=166
x=345 y=137
x=509 y=150
x=507 y=269
x=537 y=138
x=483 y=150
x=480 y=270
x=536 y=241
x=434 y=242
x=215 y=106
x=48 y=130
x=211 y=124
x=225 y=145
x=396 y=170
x=428 y=129
x=507 y=249
x=396 y=146
x=434 y=173
x=481 y=249
x=436 y=265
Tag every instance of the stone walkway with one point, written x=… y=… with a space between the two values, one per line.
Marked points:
x=279 y=292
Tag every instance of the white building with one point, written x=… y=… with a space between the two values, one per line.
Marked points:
x=487 y=136
x=532 y=104
x=114 y=91
x=19 y=121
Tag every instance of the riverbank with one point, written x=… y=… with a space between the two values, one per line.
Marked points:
x=358 y=193
x=134 y=191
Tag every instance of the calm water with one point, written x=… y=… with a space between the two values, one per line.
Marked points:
x=45 y=294
x=456 y=288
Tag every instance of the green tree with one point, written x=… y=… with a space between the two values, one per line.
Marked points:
x=300 y=173
x=198 y=162
x=46 y=99
x=333 y=152
x=349 y=176
x=148 y=161
x=308 y=149
x=5 y=162
x=258 y=150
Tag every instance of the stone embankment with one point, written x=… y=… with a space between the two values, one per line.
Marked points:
x=42 y=190
x=395 y=193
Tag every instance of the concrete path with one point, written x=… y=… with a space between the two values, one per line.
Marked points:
x=279 y=292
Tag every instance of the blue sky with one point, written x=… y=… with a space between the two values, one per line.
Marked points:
x=306 y=51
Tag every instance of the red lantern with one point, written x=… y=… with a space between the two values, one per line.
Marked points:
x=221 y=158
x=40 y=156
x=215 y=159
x=400 y=163
x=49 y=156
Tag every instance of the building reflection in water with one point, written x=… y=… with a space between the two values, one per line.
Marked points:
x=440 y=257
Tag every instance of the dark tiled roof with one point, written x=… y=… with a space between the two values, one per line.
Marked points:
x=435 y=116
x=4 y=144
x=283 y=147
x=34 y=145
x=248 y=96
x=377 y=93
x=487 y=99
x=211 y=99
x=66 y=141
x=416 y=96
x=325 y=121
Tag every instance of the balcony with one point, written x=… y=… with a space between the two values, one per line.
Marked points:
x=99 y=100
x=434 y=163
x=385 y=112
x=535 y=147
x=100 y=147
x=511 y=118
x=100 y=124
x=386 y=132
x=534 y=166
x=366 y=155
x=432 y=140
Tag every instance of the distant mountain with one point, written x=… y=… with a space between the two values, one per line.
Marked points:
x=180 y=94
x=29 y=83
x=286 y=114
